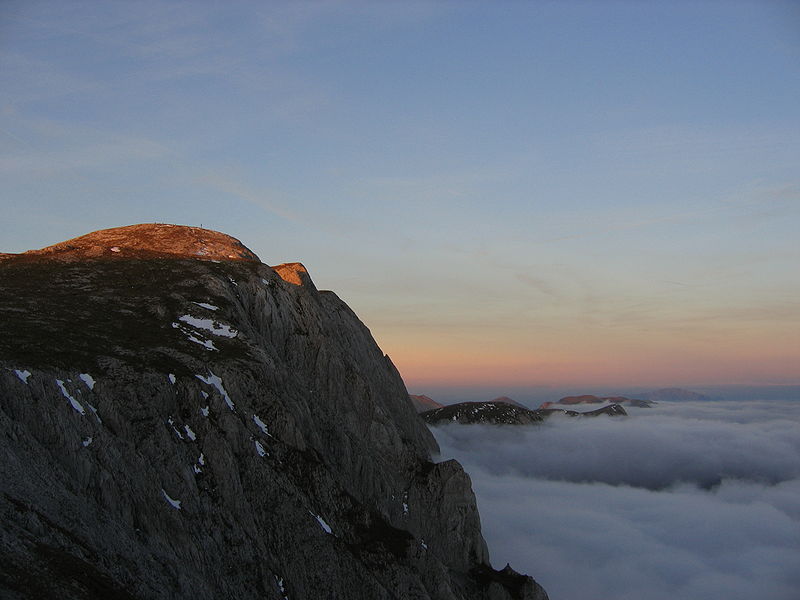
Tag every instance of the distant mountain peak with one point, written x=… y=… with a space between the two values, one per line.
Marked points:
x=423 y=403
x=151 y=240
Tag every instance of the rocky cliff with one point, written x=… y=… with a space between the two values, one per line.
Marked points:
x=179 y=420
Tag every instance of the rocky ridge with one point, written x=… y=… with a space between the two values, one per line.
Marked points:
x=181 y=420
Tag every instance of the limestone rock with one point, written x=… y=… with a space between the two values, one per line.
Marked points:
x=176 y=424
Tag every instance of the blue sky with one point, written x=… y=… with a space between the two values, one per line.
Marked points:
x=527 y=193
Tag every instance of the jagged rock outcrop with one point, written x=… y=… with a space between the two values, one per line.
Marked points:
x=502 y=413
x=423 y=403
x=179 y=420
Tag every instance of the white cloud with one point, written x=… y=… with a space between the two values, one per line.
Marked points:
x=611 y=508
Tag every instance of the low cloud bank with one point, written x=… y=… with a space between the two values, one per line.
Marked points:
x=649 y=449
x=680 y=501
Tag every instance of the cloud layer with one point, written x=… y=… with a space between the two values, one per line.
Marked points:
x=690 y=501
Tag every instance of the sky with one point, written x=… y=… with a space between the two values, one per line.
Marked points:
x=508 y=194
x=690 y=500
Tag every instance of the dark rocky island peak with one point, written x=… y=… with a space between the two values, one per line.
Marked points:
x=502 y=413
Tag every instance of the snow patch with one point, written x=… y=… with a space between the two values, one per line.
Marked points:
x=423 y=544
x=217 y=383
x=206 y=305
x=322 y=523
x=115 y=249
x=23 y=375
x=171 y=377
x=75 y=404
x=261 y=425
x=189 y=433
x=87 y=441
x=280 y=585
x=172 y=501
x=260 y=449
x=201 y=461
x=204 y=411
x=171 y=423
x=209 y=325
x=94 y=412
x=208 y=344
x=88 y=380
x=204 y=394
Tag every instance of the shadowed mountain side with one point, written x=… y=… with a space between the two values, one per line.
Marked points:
x=180 y=424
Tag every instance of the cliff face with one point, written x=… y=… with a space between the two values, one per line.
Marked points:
x=181 y=420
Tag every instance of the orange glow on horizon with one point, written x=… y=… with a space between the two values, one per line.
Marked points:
x=660 y=366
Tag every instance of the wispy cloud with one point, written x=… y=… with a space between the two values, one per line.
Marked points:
x=264 y=199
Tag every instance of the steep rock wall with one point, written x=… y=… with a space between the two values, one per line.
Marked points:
x=207 y=428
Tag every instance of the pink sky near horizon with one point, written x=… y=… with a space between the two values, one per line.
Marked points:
x=588 y=371
x=564 y=353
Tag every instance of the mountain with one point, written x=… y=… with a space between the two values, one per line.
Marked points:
x=496 y=413
x=423 y=403
x=503 y=413
x=180 y=420
x=591 y=399
x=674 y=394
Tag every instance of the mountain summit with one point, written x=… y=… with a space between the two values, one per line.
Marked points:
x=148 y=240
x=180 y=420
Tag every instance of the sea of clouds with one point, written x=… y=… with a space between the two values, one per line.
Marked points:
x=690 y=500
